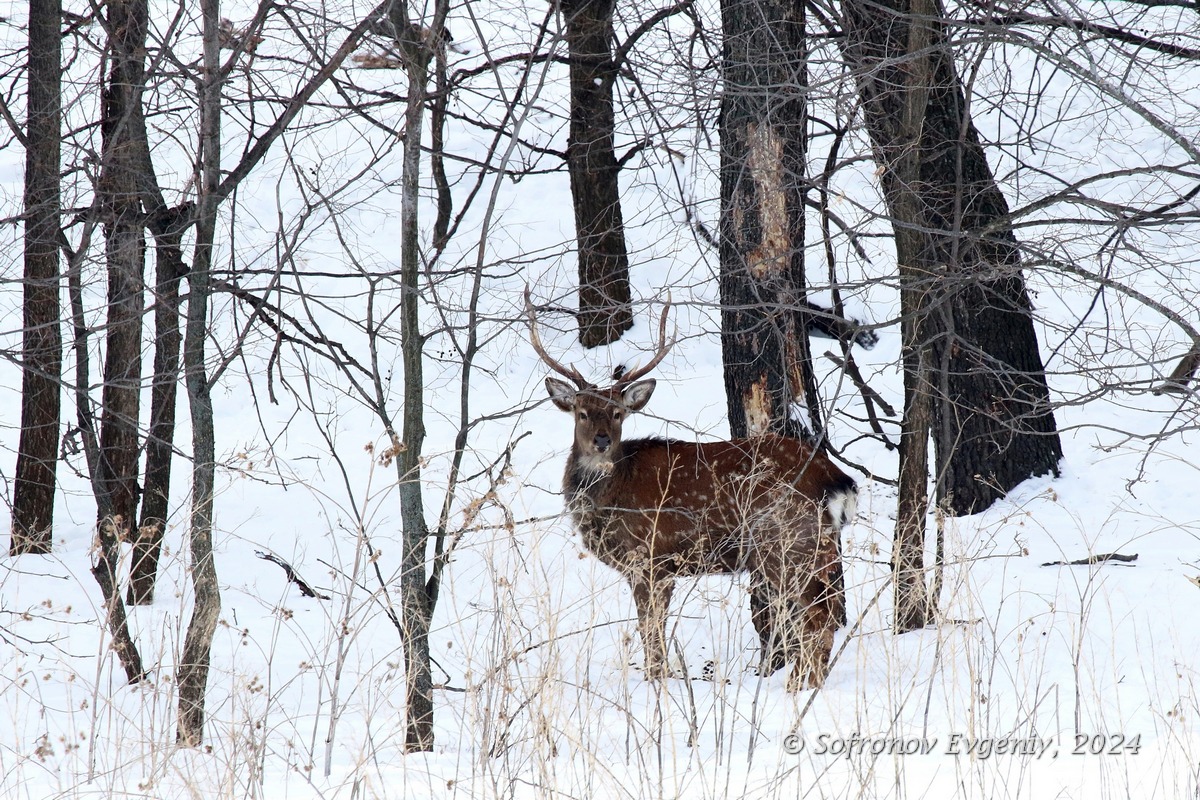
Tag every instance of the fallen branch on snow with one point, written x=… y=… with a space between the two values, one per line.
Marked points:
x=1096 y=559
x=305 y=589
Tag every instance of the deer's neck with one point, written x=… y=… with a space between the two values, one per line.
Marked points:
x=587 y=477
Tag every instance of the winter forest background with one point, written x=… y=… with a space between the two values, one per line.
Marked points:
x=284 y=493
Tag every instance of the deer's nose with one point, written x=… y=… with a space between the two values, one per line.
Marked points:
x=602 y=442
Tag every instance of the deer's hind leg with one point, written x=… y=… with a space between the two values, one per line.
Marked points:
x=815 y=648
x=820 y=594
x=767 y=613
x=800 y=601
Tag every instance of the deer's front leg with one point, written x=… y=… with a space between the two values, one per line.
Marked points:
x=652 y=596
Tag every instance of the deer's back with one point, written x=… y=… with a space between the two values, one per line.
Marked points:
x=702 y=507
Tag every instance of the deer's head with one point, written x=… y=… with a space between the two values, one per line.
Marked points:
x=598 y=413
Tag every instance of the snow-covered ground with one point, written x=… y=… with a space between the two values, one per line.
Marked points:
x=1038 y=682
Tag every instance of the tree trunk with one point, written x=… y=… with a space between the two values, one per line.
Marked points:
x=763 y=150
x=919 y=272
x=764 y=312
x=437 y=148
x=913 y=603
x=125 y=253
x=104 y=570
x=416 y=610
x=37 y=454
x=192 y=677
x=993 y=426
x=113 y=461
x=604 y=310
x=160 y=443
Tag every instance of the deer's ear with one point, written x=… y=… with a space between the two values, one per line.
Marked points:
x=637 y=395
x=561 y=394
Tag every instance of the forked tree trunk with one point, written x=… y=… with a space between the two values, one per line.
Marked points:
x=768 y=369
x=167 y=226
x=604 y=297
x=37 y=454
x=993 y=425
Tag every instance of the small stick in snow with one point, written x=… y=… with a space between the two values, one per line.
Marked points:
x=305 y=589
x=1096 y=559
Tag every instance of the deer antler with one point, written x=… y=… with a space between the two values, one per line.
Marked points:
x=660 y=352
x=566 y=372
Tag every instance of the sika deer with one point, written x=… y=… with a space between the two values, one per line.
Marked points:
x=657 y=509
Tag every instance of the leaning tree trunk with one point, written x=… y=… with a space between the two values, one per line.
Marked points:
x=604 y=311
x=993 y=425
x=37 y=453
x=763 y=150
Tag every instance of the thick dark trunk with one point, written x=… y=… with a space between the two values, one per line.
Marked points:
x=763 y=150
x=125 y=253
x=113 y=461
x=993 y=425
x=604 y=310
x=37 y=454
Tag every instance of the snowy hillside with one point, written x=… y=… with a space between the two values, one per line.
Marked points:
x=1039 y=681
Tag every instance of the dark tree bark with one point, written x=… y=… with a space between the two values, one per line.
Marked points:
x=764 y=313
x=763 y=150
x=37 y=453
x=918 y=271
x=113 y=461
x=192 y=675
x=166 y=227
x=913 y=602
x=437 y=147
x=993 y=425
x=416 y=605
x=604 y=310
x=125 y=253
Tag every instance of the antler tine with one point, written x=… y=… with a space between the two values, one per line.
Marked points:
x=535 y=340
x=660 y=352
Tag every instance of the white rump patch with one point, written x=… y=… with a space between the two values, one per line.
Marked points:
x=842 y=507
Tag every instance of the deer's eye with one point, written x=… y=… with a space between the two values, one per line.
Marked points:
x=616 y=415
x=583 y=415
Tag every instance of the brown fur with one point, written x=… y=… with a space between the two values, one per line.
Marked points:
x=656 y=509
